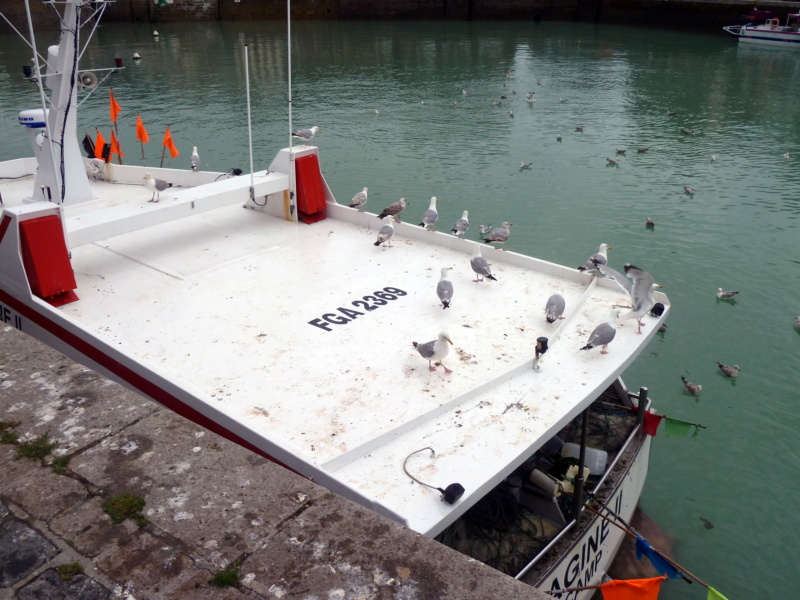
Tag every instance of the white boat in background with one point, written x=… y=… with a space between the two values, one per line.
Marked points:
x=769 y=32
x=223 y=302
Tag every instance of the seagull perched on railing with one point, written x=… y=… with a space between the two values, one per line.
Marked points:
x=431 y=215
x=306 y=134
x=394 y=209
x=156 y=186
x=359 y=200
x=499 y=235
x=462 y=225
x=195 y=160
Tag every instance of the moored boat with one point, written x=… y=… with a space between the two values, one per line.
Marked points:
x=260 y=308
x=769 y=32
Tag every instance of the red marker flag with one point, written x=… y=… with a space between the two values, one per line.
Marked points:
x=141 y=132
x=115 y=149
x=114 y=108
x=632 y=589
x=99 y=145
x=168 y=143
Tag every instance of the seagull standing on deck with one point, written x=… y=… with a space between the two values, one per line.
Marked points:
x=156 y=186
x=195 y=160
x=462 y=225
x=480 y=265
x=431 y=215
x=306 y=134
x=359 y=200
x=385 y=234
x=603 y=334
x=499 y=235
x=642 y=292
x=554 y=307
x=394 y=209
x=435 y=351
x=444 y=289
x=598 y=258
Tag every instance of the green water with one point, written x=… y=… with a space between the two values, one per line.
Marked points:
x=739 y=231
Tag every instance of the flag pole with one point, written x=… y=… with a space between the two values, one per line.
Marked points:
x=163 y=151
x=249 y=125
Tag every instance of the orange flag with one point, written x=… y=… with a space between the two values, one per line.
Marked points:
x=141 y=132
x=99 y=145
x=168 y=143
x=114 y=108
x=115 y=149
x=632 y=589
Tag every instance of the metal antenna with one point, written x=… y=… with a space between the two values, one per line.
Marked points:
x=249 y=125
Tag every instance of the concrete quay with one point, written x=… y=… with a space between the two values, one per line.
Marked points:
x=210 y=508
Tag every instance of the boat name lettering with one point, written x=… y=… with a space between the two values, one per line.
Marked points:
x=582 y=566
x=367 y=303
x=6 y=316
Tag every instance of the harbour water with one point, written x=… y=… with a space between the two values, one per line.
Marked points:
x=425 y=109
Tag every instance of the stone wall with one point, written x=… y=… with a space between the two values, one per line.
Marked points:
x=684 y=14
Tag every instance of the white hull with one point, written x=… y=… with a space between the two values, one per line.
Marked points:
x=770 y=33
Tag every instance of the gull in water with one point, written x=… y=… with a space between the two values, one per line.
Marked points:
x=156 y=186
x=480 y=265
x=693 y=388
x=306 y=134
x=598 y=258
x=642 y=150
x=603 y=334
x=435 y=351
x=671 y=113
x=524 y=165
x=462 y=225
x=621 y=150
x=394 y=209
x=444 y=289
x=641 y=292
x=580 y=128
x=385 y=234
x=649 y=223
x=195 y=160
x=529 y=96
x=612 y=161
x=687 y=132
x=554 y=309
x=484 y=229
x=713 y=157
x=797 y=323
x=725 y=295
x=499 y=235
x=431 y=215
x=786 y=155
x=359 y=200
x=727 y=370
x=558 y=137
x=689 y=190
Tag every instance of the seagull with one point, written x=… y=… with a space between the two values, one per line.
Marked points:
x=562 y=100
x=786 y=155
x=727 y=370
x=598 y=258
x=642 y=150
x=797 y=323
x=524 y=165
x=612 y=161
x=671 y=113
x=511 y=113
x=195 y=160
x=394 y=209
x=484 y=229
x=554 y=308
x=693 y=388
x=359 y=200
x=529 y=96
x=621 y=150
x=603 y=334
x=580 y=128
x=156 y=186
x=136 y=56
x=538 y=81
x=713 y=157
x=725 y=295
x=641 y=293
x=558 y=137
x=649 y=223
x=462 y=225
x=385 y=234
x=499 y=235
x=687 y=132
x=480 y=265
x=431 y=215
x=435 y=351
x=307 y=134
x=444 y=289
x=689 y=190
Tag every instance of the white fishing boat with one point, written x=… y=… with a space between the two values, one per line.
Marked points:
x=769 y=32
x=260 y=308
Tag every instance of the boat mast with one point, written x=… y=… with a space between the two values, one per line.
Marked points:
x=289 y=80
x=61 y=167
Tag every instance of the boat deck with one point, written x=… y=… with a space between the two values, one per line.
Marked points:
x=230 y=305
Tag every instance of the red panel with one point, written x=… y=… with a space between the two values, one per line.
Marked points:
x=46 y=260
x=310 y=193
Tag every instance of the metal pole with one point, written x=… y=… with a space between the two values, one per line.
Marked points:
x=289 y=80
x=642 y=406
x=249 y=125
x=577 y=498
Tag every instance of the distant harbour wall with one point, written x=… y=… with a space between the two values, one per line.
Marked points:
x=684 y=14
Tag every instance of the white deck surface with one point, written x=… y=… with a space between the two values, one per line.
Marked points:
x=221 y=303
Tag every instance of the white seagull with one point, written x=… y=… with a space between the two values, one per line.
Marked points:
x=598 y=258
x=603 y=334
x=359 y=200
x=385 y=234
x=156 y=186
x=444 y=289
x=435 y=351
x=641 y=293
x=462 y=225
x=554 y=307
x=499 y=235
x=306 y=134
x=480 y=265
x=431 y=215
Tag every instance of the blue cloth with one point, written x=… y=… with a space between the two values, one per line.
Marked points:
x=659 y=562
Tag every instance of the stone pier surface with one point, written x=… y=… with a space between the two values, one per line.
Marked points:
x=211 y=508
